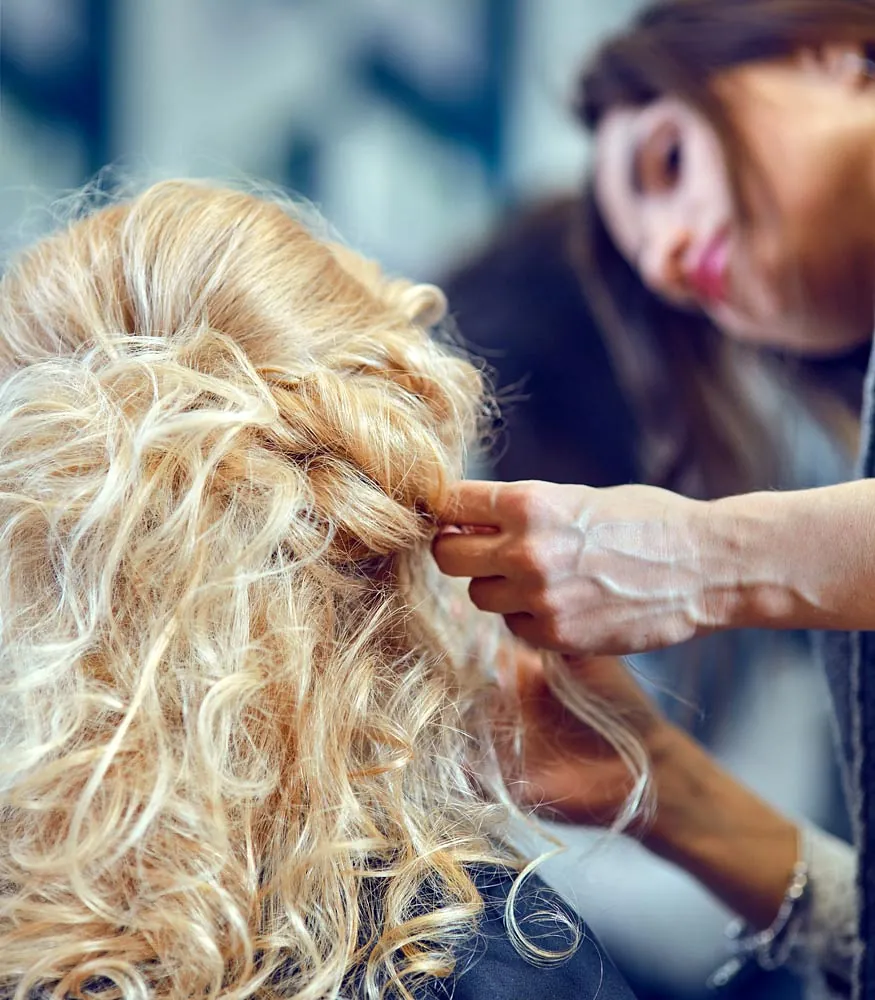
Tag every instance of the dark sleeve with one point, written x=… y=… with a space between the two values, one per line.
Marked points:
x=494 y=970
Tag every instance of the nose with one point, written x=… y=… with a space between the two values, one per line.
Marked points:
x=663 y=263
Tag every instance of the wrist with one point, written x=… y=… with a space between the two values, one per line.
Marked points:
x=681 y=779
x=719 y=831
x=760 y=580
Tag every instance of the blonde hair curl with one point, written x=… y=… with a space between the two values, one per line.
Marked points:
x=236 y=701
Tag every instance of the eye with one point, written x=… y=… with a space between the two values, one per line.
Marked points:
x=673 y=162
x=660 y=160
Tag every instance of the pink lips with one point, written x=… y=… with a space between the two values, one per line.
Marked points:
x=709 y=277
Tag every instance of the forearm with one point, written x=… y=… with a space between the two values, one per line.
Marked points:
x=720 y=832
x=736 y=845
x=801 y=559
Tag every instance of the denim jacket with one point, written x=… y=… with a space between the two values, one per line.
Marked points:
x=850 y=667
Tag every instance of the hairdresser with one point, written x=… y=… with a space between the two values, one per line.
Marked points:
x=734 y=177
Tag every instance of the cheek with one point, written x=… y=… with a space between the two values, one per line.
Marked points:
x=807 y=261
x=808 y=223
x=767 y=271
x=800 y=204
x=755 y=284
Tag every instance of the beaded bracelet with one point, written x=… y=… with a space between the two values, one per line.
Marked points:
x=770 y=948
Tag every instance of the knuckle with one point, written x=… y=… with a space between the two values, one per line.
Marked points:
x=552 y=634
x=542 y=633
x=545 y=604
x=524 y=503
x=526 y=557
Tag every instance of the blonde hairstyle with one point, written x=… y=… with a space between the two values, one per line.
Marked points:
x=238 y=707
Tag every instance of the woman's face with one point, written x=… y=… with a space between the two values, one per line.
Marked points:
x=797 y=270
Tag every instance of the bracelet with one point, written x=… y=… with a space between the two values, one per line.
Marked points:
x=770 y=948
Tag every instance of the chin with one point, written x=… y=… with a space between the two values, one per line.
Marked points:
x=783 y=334
x=747 y=331
x=808 y=344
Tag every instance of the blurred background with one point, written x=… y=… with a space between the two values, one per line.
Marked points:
x=435 y=135
x=412 y=123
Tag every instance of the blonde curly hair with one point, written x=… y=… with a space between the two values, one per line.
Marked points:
x=237 y=705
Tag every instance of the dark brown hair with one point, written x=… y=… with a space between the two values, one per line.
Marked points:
x=690 y=384
x=678 y=46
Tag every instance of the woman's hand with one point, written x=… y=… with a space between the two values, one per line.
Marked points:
x=705 y=821
x=581 y=570
x=633 y=568
x=566 y=767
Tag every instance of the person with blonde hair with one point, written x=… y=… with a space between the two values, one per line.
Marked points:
x=246 y=745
